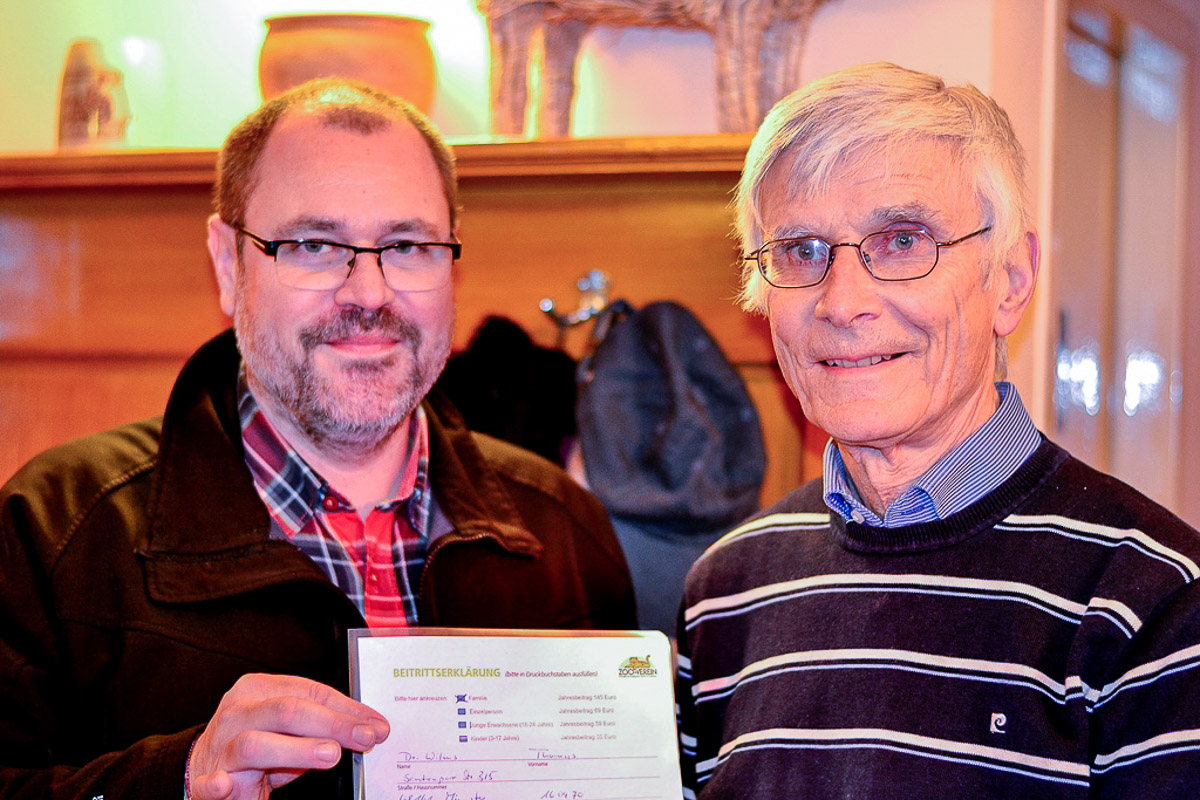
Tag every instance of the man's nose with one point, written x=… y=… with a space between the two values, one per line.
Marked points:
x=365 y=286
x=849 y=293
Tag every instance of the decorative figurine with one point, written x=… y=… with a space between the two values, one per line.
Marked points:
x=758 y=47
x=92 y=107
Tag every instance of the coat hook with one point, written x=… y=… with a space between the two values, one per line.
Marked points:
x=593 y=297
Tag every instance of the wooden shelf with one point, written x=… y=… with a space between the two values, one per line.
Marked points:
x=630 y=156
x=721 y=154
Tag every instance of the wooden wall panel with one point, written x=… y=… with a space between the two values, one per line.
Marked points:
x=105 y=285
x=780 y=417
x=45 y=401
x=658 y=239
x=97 y=270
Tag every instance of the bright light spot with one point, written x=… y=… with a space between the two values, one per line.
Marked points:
x=1094 y=24
x=1143 y=380
x=1090 y=62
x=1155 y=77
x=1153 y=95
x=1077 y=379
x=135 y=49
x=1086 y=55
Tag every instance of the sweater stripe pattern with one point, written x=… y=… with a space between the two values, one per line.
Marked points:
x=1043 y=642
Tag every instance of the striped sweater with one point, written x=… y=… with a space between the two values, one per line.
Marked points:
x=1042 y=643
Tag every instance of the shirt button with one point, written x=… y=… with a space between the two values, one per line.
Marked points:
x=857 y=516
x=331 y=502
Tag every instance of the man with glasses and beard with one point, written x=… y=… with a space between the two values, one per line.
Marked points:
x=957 y=608
x=176 y=593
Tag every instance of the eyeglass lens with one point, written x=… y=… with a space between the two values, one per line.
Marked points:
x=888 y=255
x=323 y=266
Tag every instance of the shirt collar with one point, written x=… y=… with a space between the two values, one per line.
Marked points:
x=971 y=470
x=293 y=491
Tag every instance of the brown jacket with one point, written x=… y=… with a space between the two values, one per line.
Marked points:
x=138 y=582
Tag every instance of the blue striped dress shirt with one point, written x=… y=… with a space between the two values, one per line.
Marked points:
x=982 y=462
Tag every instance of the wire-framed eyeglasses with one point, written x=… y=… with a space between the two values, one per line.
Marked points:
x=322 y=265
x=896 y=255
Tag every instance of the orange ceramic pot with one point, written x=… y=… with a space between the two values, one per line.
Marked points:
x=386 y=51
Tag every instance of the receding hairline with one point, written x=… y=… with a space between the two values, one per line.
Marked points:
x=345 y=103
x=363 y=122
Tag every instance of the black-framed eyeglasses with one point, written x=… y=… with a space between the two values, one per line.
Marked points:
x=897 y=255
x=321 y=265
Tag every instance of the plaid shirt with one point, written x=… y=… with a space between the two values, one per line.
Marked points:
x=378 y=561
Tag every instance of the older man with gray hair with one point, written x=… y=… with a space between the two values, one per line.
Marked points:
x=958 y=608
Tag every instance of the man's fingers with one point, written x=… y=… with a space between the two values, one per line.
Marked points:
x=270 y=728
x=300 y=717
x=263 y=751
x=307 y=708
x=214 y=786
x=255 y=762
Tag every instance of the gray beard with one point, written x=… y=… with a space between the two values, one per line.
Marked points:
x=358 y=409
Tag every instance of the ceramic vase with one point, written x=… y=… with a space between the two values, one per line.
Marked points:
x=389 y=52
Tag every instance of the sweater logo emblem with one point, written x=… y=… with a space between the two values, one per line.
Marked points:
x=998 y=723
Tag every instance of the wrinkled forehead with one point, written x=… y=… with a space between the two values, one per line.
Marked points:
x=802 y=176
x=929 y=176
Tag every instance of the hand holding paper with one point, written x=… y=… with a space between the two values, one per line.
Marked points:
x=269 y=729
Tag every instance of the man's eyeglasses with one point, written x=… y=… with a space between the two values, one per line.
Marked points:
x=898 y=255
x=321 y=265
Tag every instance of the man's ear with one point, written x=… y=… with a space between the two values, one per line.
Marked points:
x=1018 y=276
x=222 y=248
